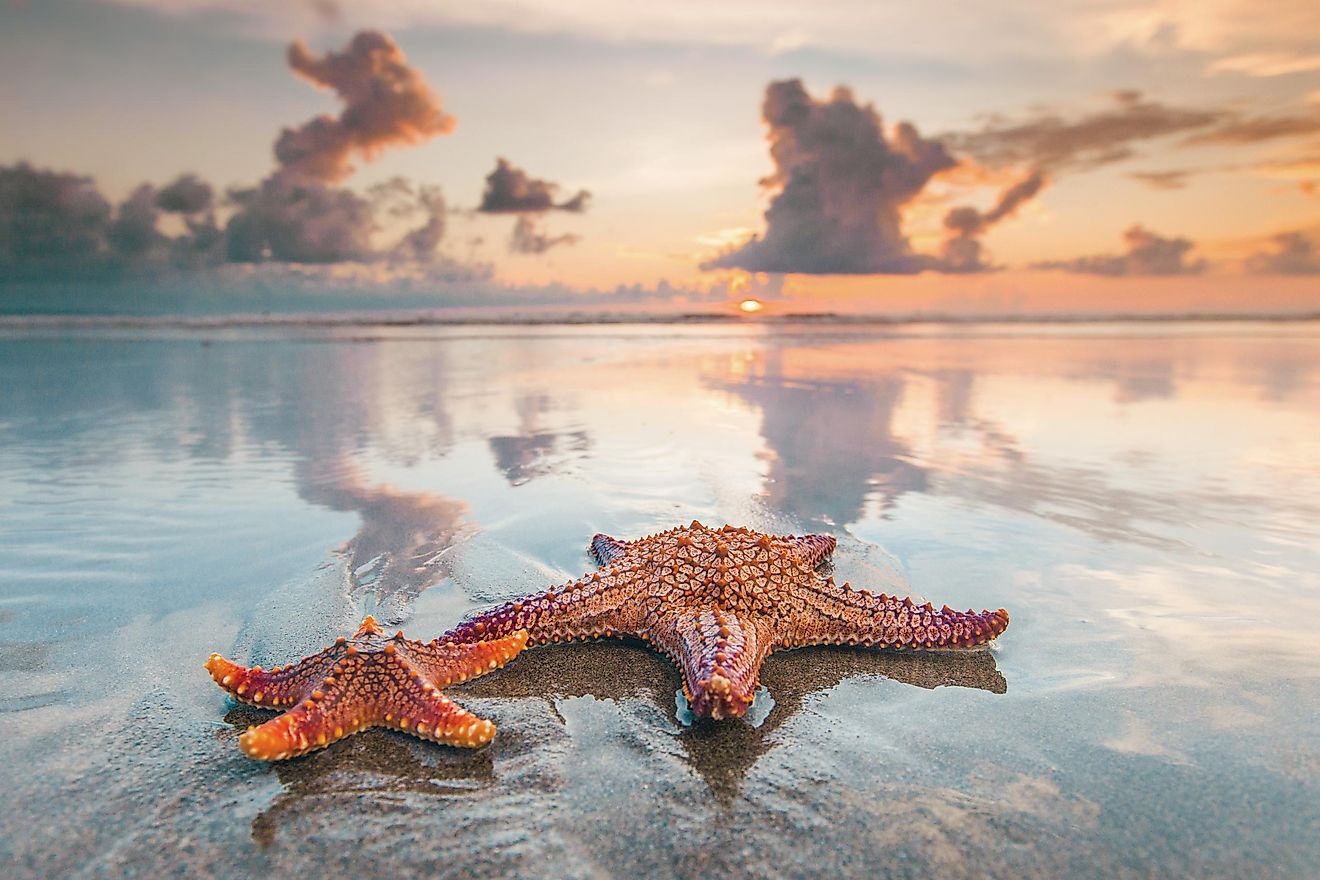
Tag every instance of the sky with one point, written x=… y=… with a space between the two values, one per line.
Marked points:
x=1020 y=157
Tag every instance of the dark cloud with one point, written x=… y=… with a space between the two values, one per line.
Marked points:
x=1053 y=142
x=299 y=223
x=386 y=103
x=962 y=250
x=1147 y=254
x=133 y=231
x=1293 y=254
x=56 y=224
x=527 y=238
x=203 y=246
x=577 y=204
x=1171 y=179
x=186 y=195
x=511 y=190
x=49 y=215
x=840 y=187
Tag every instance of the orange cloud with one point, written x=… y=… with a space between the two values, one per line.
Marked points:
x=386 y=103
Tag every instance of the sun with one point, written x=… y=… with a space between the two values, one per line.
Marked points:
x=750 y=306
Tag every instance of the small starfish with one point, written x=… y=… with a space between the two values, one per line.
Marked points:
x=370 y=680
x=718 y=601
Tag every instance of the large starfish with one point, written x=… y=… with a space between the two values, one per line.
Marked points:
x=369 y=680
x=718 y=601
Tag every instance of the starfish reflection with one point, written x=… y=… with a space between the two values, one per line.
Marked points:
x=373 y=763
x=722 y=753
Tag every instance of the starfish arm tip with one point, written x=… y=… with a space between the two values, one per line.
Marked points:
x=473 y=735
x=272 y=741
x=226 y=673
x=443 y=721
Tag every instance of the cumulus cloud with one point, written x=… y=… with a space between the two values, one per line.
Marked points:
x=527 y=238
x=962 y=250
x=840 y=185
x=386 y=103
x=49 y=215
x=59 y=225
x=511 y=190
x=186 y=195
x=1293 y=254
x=133 y=232
x=1147 y=254
x=299 y=223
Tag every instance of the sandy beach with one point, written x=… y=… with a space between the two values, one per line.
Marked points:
x=1142 y=502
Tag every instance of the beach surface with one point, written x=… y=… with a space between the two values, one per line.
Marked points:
x=1142 y=499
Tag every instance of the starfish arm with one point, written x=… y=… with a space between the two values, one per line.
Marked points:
x=836 y=615
x=602 y=604
x=420 y=709
x=446 y=663
x=720 y=655
x=810 y=550
x=606 y=550
x=323 y=717
x=279 y=686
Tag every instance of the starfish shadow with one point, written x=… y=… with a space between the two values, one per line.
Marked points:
x=722 y=753
x=372 y=762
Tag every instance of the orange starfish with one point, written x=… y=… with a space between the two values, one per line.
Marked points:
x=370 y=680
x=717 y=602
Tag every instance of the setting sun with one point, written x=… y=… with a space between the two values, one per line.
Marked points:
x=750 y=306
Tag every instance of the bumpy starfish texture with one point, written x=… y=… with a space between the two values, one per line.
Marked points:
x=718 y=601
x=369 y=680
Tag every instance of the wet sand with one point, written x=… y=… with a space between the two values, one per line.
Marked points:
x=1142 y=506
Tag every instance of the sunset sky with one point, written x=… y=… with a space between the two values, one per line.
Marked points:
x=1067 y=156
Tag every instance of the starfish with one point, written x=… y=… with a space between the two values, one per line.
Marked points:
x=369 y=680
x=717 y=602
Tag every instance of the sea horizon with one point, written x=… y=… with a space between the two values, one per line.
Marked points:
x=727 y=314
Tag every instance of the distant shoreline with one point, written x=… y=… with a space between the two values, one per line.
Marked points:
x=465 y=318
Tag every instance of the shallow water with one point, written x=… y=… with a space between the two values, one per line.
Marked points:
x=1143 y=500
